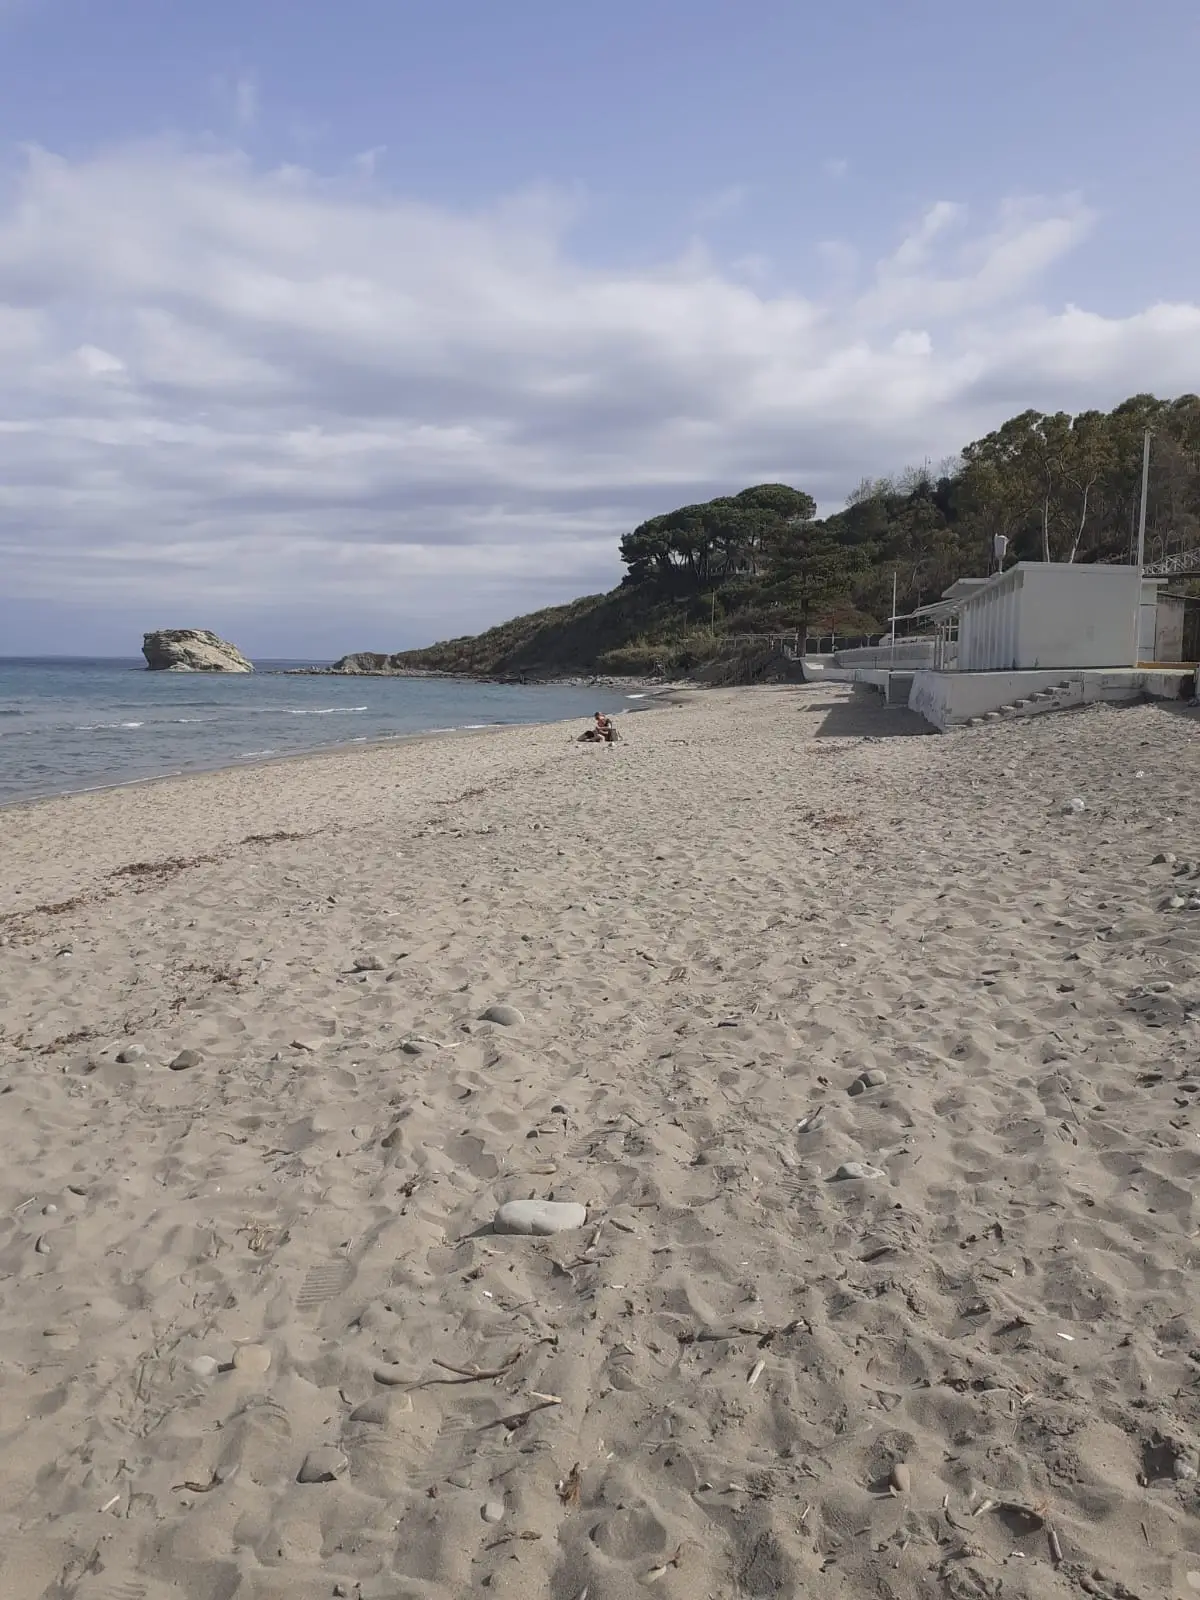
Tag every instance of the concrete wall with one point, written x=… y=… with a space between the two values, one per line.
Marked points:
x=1168 y=629
x=1078 y=616
x=1048 y=615
x=907 y=653
x=947 y=699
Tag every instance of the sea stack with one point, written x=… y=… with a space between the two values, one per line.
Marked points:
x=191 y=650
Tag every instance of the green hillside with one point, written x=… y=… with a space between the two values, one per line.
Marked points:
x=1058 y=487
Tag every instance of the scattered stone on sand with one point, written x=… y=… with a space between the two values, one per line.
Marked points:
x=184 y=1060
x=131 y=1052
x=323 y=1466
x=383 y=1409
x=1173 y=902
x=1164 y=858
x=900 y=1480
x=873 y=1079
x=539 y=1216
x=368 y=964
x=391 y=1377
x=855 y=1169
x=1074 y=807
x=253 y=1359
x=203 y=1366
x=492 y=1511
x=505 y=1016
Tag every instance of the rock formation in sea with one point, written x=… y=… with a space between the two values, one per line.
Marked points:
x=191 y=650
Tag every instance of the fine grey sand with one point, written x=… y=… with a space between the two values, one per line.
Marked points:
x=258 y=1340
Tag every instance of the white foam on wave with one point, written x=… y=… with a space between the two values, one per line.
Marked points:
x=323 y=711
x=250 y=755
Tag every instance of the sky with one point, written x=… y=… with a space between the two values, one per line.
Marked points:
x=352 y=327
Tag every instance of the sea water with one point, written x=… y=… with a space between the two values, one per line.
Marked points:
x=73 y=724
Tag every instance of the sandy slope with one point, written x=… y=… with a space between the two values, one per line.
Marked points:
x=710 y=930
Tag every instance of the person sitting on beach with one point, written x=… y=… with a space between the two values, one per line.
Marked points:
x=602 y=732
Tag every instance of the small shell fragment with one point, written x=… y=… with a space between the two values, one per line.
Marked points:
x=900 y=1480
x=756 y=1372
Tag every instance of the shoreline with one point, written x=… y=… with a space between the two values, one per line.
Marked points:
x=665 y=695
x=268 y=791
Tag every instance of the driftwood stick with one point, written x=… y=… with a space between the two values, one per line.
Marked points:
x=517 y=1419
x=471 y=1374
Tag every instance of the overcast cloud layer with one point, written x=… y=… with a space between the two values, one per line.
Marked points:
x=227 y=393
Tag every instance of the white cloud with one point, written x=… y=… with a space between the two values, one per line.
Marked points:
x=722 y=203
x=238 y=98
x=277 y=390
x=245 y=102
x=98 y=362
x=366 y=161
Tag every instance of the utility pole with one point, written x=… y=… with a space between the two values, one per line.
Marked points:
x=1141 y=550
x=1141 y=555
x=893 y=655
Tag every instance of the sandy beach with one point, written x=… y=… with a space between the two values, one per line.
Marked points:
x=875 y=1067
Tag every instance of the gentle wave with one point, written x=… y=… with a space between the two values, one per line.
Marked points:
x=323 y=711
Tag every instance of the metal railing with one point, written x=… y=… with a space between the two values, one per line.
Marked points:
x=1170 y=566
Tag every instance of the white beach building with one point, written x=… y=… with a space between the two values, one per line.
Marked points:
x=1041 y=634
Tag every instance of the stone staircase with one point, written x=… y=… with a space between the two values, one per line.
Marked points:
x=1056 y=698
